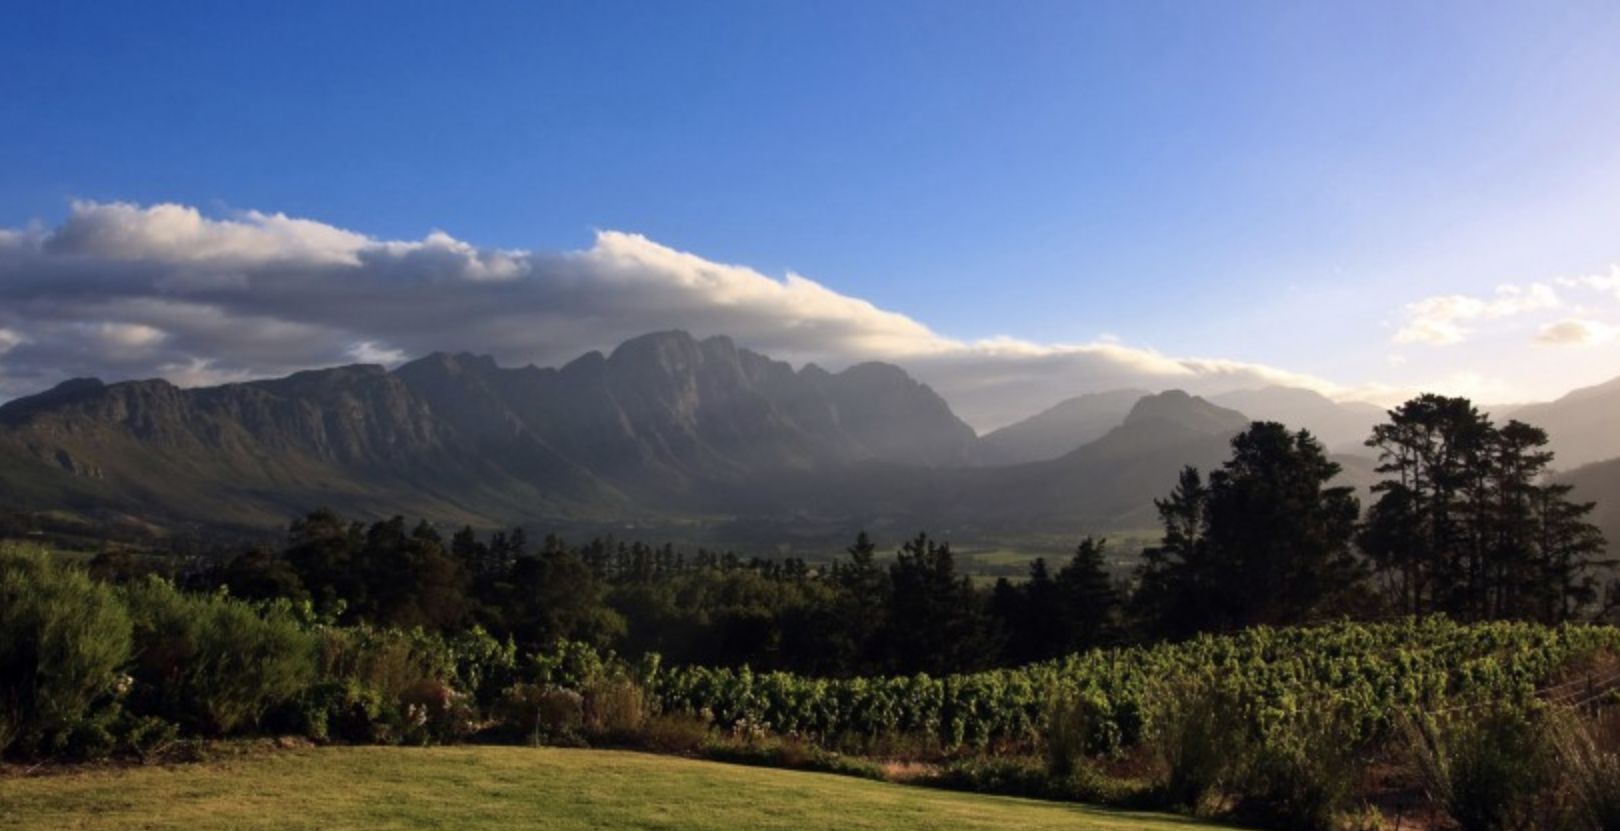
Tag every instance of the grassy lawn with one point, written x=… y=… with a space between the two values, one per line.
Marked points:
x=510 y=787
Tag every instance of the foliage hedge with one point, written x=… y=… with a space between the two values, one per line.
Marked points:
x=1366 y=674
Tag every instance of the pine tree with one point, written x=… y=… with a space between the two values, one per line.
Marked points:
x=1089 y=599
x=1267 y=541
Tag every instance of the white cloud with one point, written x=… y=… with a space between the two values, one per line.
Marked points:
x=1576 y=332
x=178 y=233
x=130 y=335
x=202 y=300
x=1447 y=319
x=370 y=352
x=1606 y=283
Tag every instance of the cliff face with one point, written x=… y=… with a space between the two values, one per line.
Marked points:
x=655 y=426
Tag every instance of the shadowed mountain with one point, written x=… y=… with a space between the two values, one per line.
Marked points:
x=1600 y=483
x=667 y=423
x=254 y=454
x=1110 y=482
x=1117 y=477
x=666 y=429
x=1340 y=426
x=1584 y=426
x=1060 y=428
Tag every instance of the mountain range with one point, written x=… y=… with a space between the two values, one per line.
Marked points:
x=665 y=429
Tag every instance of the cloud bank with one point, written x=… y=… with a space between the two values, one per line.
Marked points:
x=1449 y=319
x=127 y=291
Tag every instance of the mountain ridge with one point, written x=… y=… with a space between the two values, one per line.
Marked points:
x=663 y=428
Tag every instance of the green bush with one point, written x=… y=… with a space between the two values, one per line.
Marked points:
x=342 y=710
x=789 y=753
x=1489 y=771
x=1030 y=777
x=1066 y=737
x=1004 y=775
x=1302 y=775
x=1201 y=743
x=434 y=712
x=63 y=641
x=146 y=737
x=387 y=661
x=213 y=663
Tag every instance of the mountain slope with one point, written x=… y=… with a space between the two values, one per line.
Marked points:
x=257 y=453
x=1584 y=426
x=1114 y=479
x=665 y=424
x=1600 y=483
x=1060 y=428
x=666 y=429
x=1338 y=425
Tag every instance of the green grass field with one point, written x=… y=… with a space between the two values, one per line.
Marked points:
x=475 y=788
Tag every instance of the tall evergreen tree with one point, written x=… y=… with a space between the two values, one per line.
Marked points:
x=1465 y=523
x=1089 y=600
x=935 y=620
x=860 y=612
x=1267 y=541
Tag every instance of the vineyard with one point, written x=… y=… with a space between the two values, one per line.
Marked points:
x=1366 y=675
x=1276 y=728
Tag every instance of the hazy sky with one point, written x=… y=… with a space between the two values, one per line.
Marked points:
x=1033 y=198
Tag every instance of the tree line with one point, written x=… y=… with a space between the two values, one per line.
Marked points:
x=1464 y=523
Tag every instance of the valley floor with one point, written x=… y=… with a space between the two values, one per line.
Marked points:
x=513 y=787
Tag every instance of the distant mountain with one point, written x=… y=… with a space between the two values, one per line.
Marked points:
x=667 y=430
x=1112 y=481
x=1584 y=426
x=255 y=454
x=1341 y=426
x=666 y=424
x=1600 y=483
x=1060 y=429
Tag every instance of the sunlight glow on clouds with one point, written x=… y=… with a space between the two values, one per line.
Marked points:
x=201 y=300
x=1576 y=332
x=1608 y=283
x=1448 y=319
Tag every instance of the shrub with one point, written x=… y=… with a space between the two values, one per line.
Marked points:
x=674 y=733
x=1199 y=738
x=1588 y=753
x=790 y=753
x=571 y=664
x=213 y=663
x=389 y=661
x=482 y=666
x=434 y=712
x=344 y=710
x=614 y=707
x=540 y=714
x=1302 y=775
x=1005 y=775
x=63 y=640
x=1488 y=772
x=146 y=737
x=1068 y=727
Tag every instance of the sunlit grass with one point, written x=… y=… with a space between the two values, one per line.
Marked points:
x=513 y=787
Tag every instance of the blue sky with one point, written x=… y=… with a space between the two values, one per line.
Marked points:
x=1265 y=182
